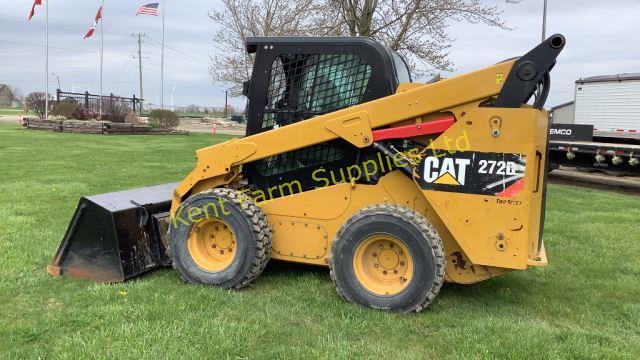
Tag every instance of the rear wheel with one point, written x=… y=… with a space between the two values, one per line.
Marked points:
x=388 y=257
x=219 y=237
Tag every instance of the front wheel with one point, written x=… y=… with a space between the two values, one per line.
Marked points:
x=219 y=237
x=388 y=257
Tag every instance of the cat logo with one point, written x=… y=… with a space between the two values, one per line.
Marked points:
x=445 y=171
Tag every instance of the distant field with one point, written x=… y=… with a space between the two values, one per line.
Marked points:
x=584 y=305
x=6 y=111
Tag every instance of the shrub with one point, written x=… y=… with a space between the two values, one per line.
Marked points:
x=36 y=102
x=81 y=113
x=65 y=109
x=166 y=119
x=116 y=108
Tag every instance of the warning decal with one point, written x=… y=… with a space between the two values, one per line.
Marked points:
x=471 y=172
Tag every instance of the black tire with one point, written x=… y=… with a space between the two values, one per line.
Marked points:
x=252 y=234
x=417 y=234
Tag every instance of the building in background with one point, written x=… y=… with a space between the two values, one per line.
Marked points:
x=563 y=113
x=7 y=98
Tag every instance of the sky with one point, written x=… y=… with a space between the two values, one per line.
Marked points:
x=603 y=37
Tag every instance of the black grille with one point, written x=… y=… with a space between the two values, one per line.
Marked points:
x=299 y=87
x=301 y=158
x=305 y=85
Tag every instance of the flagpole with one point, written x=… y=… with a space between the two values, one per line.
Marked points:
x=101 y=49
x=164 y=7
x=46 y=59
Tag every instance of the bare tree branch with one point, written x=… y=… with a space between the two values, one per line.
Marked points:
x=417 y=29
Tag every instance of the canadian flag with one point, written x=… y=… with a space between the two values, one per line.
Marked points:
x=95 y=23
x=33 y=8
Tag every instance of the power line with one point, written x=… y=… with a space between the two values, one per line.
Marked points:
x=62 y=48
x=153 y=42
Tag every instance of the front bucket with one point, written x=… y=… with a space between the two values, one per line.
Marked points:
x=116 y=236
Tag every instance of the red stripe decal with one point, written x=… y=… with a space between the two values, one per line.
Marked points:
x=512 y=190
x=407 y=131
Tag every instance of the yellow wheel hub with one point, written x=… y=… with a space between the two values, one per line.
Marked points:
x=383 y=265
x=212 y=245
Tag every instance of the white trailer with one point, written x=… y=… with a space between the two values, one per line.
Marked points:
x=610 y=103
x=601 y=127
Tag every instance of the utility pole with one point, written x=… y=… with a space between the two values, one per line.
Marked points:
x=140 y=68
x=46 y=59
x=57 y=77
x=173 y=92
x=164 y=7
x=101 y=49
x=226 y=103
x=544 y=21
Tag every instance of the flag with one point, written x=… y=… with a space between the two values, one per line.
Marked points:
x=95 y=24
x=33 y=8
x=149 y=9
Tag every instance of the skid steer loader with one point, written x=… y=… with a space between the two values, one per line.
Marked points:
x=396 y=186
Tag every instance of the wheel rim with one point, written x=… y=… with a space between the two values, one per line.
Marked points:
x=383 y=265
x=212 y=245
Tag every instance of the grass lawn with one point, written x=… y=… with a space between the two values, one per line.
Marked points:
x=585 y=304
x=11 y=111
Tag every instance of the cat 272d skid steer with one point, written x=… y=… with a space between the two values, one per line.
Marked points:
x=396 y=186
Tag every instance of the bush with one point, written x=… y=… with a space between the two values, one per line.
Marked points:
x=165 y=119
x=81 y=113
x=36 y=102
x=64 y=109
x=116 y=109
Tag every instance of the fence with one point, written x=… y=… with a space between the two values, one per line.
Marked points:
x=92 y=101
x=96 y=127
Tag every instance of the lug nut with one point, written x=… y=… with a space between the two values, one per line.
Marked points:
x=376 y=266
x=617 y=160
x=395 y=271
x=401 y=263
x=384 y=272
x=375 y=254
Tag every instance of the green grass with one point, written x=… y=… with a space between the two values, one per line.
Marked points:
x=585 y=304
x=11 y=111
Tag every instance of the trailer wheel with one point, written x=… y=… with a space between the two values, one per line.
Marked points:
x=219 y=237
x=388 y=257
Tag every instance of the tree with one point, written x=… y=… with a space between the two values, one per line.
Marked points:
x=36 y=102
x=240 y=19
x=192 y=109
x=16 y=93
x=414 y=28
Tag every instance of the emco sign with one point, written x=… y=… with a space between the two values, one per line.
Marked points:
x=572 y=132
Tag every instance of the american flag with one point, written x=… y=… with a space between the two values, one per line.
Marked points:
x=149 y=9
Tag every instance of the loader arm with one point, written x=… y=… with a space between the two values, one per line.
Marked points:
x=217 y=164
